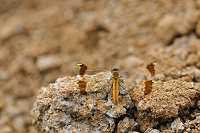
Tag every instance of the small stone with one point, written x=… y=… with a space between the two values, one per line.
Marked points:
x=168 y=131
x=194 y=131
x=198 y=128
x=177 y=125
x=48 y=61
x=19 y=124
x=165 y=28
x=198 y=119
x=198 y=104
x=13 y=27
x=150 y=130
x=188 y=130
x=6 y=129
x=126 y=125
x=3 y=75
x=191 y=124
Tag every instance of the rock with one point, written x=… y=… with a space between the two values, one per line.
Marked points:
x=177 y=125
x=11 y=28
x=3 y=75
x=190 y=73
x=171 y=25
x=48 y=61
x=19 y=124
x=167 y=100
x=198 y=119
x=130 y=61
x=150 y=130
x=60 y=106
x=194 y=131
x=168 y=131
x=198 y=104
x=6 y=129
x=165 y=28
x=188 y=130
x=127 y=125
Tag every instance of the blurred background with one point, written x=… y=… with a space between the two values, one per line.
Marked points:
x=41 y=40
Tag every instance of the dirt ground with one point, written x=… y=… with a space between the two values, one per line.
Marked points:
x=41 y=40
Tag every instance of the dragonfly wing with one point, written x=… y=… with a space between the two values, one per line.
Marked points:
x=137 y=75
x=82 y=69
x=148 y=87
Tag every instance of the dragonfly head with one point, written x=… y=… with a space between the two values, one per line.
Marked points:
x=115 y=72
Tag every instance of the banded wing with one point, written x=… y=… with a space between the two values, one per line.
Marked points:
x=82 y=69
x=148 y=86
x=146 y=74
x=82 y=86
x=153 y=69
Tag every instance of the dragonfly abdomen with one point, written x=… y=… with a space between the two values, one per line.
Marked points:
x=115 y=91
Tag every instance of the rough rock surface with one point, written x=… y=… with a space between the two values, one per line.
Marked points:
x=168 y=100
x=60 y=107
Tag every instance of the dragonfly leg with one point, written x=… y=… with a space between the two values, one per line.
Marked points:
x=121 y=86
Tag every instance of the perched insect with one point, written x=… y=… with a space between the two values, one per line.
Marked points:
x=115 y=84
x=149 y=83
x=82 y=69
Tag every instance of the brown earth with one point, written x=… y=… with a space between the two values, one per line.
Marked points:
x=41 y=41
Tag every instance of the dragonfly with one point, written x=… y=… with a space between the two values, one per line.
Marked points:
x=82 y=69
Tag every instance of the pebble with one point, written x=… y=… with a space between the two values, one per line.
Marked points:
x=48 y=61
x=198 y=104
x=198 y=119
x=177 y=125
x=13 y=27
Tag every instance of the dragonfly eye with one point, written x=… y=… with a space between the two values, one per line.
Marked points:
x=115 y=69
x=83 y=68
